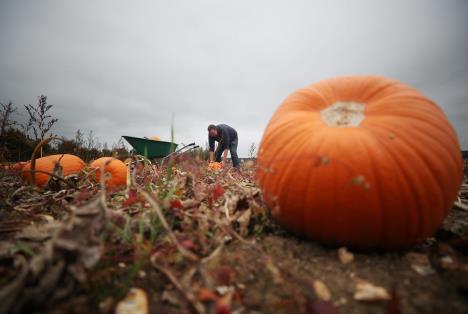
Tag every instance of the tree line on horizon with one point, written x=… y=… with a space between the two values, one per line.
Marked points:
x=17 y=140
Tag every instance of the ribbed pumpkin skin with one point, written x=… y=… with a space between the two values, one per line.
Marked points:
x=71 y=164
x=387 y=183
x=116 y=168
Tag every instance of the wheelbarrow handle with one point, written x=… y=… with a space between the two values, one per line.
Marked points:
x=177 y=151
x=182 y=148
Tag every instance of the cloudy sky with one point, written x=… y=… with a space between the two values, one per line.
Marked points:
x=123 y=67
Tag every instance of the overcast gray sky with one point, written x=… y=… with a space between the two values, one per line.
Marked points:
x=123 y=67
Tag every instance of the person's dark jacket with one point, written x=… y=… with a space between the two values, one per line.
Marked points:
x=226 y=134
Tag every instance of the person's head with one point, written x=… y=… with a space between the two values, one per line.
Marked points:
x=212 y=130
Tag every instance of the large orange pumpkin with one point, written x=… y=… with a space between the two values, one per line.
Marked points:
x=116 y=169
x=71 y=164
x=360 y=161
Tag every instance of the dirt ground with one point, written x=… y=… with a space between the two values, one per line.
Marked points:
x=276 y=274
x=300 y=262
x=59 y=255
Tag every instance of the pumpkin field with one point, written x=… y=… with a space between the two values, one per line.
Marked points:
x=308 y=230
x=234 y=157
x=197 y=240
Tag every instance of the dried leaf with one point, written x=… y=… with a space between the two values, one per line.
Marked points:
x=345 y=256
x=171 y=297
x=321 y=290
x=61 y=264
x=423 y=270
x=274 y=271
x=365 y=291
x=244 y=221
x=461 y=205
x=222 y=290
x=37 y=233
x=136 y=302
x=448 y=263
x=420 y=263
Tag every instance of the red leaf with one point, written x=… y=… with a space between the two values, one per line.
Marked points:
x=224 y=275
x=217 y=192
x=132 y=198
x=223 y=306
x=175 y=203
x=188 y=244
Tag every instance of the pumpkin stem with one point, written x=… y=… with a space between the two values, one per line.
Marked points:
x=343 y=114
x=33 y=156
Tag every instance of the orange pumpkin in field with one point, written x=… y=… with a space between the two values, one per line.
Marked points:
x=70 y=164
x=114 y=167
x=215 y=166
x=360 y=161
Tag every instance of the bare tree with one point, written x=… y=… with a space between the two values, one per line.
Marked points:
x=79 y=138
x=6 y=111
x=105 y=150
x=91 y=143
x=90 y=140
x=252 y=150
x=119 y=144
x=119 y=148
x=40 y=122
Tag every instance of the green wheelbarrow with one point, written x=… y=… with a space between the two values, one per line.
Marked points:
x=154 y=149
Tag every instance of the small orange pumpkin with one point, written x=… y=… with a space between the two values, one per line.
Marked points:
x=70 y=164
x=215 y=166
x=116 y=168
x=360 y=161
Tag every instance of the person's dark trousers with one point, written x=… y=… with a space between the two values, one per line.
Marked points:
x=232 y=150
